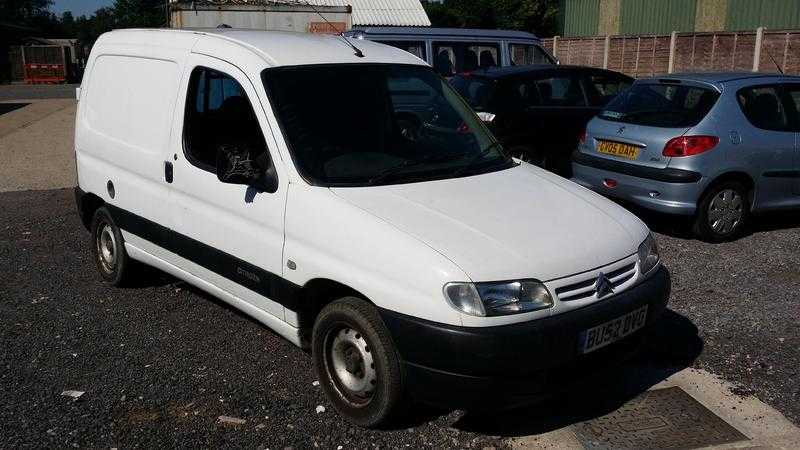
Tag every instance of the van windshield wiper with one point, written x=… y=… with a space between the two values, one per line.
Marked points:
x=389 y=171
x=476 y=158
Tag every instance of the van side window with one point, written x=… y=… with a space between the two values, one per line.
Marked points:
x=218 y=114
x=527 y=54
x=416 y=48
x=763 y=107
x=450 y=58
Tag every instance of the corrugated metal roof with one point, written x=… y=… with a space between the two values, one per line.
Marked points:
x=408 y=13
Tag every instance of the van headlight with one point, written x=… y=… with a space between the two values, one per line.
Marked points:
x=648 y=254
x=498 y=298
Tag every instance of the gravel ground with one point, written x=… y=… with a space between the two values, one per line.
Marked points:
x=744 y=298
x=161 y=362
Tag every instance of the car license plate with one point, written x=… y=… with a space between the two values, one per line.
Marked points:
x=613 y=330
x=626 y=151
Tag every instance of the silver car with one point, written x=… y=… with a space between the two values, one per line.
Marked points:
x=713 y=146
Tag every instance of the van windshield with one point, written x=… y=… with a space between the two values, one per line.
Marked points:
x=661 y=105
x=372 y=124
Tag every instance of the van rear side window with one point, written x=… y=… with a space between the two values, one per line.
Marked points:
x=218 y=114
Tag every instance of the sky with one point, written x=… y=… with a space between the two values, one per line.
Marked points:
x=79 y=7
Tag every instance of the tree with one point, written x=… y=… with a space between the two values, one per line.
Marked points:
x=139 y=13
x=538 y=16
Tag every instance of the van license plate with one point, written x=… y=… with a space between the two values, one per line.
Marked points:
x=613 y=330
x=626 y=151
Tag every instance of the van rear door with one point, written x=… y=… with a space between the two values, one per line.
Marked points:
x=230 y=234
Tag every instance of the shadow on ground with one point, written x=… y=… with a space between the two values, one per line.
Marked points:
x=672 y=345
x=8 y=107
x=681 y=226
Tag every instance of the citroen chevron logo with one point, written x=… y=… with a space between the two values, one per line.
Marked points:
x=603 y=286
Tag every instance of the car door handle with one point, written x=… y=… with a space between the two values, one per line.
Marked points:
x=168 y=171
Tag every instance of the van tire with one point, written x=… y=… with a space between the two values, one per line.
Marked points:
x=351 y=347
x=702 y=226
x=108 y=249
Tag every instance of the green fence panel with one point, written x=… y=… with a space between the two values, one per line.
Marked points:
x=579 y=17
x=657 y=16
x=775 y=14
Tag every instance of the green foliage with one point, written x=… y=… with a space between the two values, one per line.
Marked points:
x=36 y=16
x=537 y=16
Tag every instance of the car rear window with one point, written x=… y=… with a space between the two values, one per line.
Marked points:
x=661 y=105
x=476 y=90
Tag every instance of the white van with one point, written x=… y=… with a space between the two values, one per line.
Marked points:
x=357 y=207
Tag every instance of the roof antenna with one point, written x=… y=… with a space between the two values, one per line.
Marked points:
x=356 y=50
x=773 y=60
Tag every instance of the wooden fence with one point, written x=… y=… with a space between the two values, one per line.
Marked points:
x=648 y=55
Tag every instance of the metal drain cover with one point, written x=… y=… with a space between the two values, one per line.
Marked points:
x=660 y=419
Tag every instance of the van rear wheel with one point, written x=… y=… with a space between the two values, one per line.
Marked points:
x=108 y=249
x=356 y=362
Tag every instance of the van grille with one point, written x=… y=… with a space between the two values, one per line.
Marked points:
x=586 y=288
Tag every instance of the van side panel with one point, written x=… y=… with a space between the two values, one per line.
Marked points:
x=122 y=131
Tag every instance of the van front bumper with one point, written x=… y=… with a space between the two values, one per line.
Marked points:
x=668 y=190
x=510 y=365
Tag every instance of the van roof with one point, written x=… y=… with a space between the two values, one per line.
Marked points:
x=432 y=32
x=277 y=48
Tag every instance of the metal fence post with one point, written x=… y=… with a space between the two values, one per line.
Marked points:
x=673 y=40
x=757 y=52
x=606 y=49
x=555 y=47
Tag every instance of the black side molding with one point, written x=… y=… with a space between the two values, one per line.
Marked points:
x=782 y=174
x=667 y=175
x=258 y=280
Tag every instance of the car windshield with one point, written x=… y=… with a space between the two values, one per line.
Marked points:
x=661 y=105
x=371 y=124
x=476 y=90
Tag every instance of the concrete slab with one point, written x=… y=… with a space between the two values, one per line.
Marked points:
x=761 y=424
x=36 y=146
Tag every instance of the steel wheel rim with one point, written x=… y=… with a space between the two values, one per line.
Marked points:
x=349 y=365
x=107 y=248
x=725 y=212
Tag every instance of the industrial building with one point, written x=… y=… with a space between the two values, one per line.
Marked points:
x=316 y=16
x=637 y=17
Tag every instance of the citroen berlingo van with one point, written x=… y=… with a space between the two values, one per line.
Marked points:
x=341 y=193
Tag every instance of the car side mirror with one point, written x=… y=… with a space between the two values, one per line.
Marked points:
x=235 y=166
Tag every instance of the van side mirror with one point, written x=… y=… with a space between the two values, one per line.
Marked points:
x=234 y=166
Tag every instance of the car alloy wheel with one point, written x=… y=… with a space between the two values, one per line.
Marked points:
x=725 y=211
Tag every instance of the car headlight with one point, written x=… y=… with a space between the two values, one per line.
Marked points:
x=648 y=254
x=498 y=298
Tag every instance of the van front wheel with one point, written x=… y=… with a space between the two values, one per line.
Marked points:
x=108 y=249
x=356 y=362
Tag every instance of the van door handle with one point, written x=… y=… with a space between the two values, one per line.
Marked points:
x=168 y=171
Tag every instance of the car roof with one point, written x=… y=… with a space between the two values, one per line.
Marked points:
x=443 y=32
x=277 y=48
x=719 y=78
x=511 y=71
